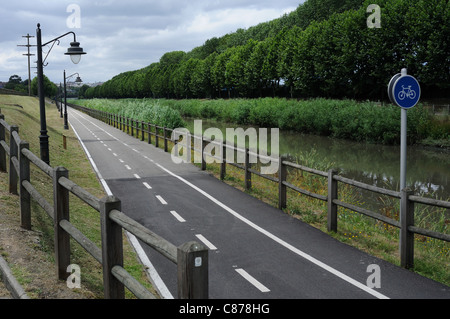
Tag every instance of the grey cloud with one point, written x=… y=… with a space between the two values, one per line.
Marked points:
x=122 y=35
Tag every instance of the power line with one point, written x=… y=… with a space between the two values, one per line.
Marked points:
x=28 y=45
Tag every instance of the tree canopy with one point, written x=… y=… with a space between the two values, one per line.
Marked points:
x=50 y=89
x=322 y=49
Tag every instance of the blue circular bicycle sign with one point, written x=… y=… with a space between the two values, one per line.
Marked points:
x=404 y=91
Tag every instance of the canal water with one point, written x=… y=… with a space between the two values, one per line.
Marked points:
x=428 y=170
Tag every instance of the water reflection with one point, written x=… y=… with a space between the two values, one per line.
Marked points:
x=428 y=171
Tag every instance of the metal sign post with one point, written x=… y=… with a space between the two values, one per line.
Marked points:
x=404 y=91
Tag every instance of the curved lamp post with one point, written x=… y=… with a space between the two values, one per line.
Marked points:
x=78 y=80
x=75 y=53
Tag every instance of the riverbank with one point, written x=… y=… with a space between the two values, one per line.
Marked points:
x=368 y=122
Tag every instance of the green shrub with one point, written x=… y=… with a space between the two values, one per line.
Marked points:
x=144 y=110
x=346 y=119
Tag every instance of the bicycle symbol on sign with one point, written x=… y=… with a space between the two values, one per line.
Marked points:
x=407 y=93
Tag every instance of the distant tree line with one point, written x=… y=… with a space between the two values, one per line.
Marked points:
x=322 y=49
x=15 y=83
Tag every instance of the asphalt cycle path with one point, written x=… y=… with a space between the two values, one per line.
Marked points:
x=255 y=250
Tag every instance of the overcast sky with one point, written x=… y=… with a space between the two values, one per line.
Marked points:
x=120 y=36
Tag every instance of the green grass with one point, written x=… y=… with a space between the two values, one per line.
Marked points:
x=347 y=119
x=138 y=109
x=74 y=159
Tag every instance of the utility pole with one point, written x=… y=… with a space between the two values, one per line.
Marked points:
x=28 y=45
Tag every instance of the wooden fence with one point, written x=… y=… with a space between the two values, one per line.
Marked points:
x=406 y=196
x=192 y=275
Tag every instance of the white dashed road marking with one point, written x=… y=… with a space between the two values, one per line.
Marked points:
x=178 y=217
x=206 y=242
x=252 y=280
x=147 y=185
x=161 y=200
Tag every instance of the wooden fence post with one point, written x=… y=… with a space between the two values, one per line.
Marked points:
x=136 y=123
x=282 y=173
x=112 y=248
x=156 y=136
x=165 y=139
x=64 y=142
x=25 y=198
x=142 y=131
x=202 y=152
x=223 y=163
x=406 y=236
x=332 y=207
x=248 y=174
x=61 y=211
x=193 y=278
x=149 y=133
x=2 y=150
x=13 y=151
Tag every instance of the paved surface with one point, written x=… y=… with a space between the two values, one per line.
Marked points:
x=256 y=251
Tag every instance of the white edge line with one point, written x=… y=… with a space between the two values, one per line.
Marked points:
x=206 y=242
x=156 y=280
x=252 y=280
x=152 y=274
x=91 y=160
x=280 y=241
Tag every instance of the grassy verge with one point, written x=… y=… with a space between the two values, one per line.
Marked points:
x=24 y=112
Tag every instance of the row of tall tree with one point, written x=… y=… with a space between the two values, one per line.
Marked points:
x=324 y=48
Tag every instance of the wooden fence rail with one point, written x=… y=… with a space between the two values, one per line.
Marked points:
x=406 y=197
x=192 y=275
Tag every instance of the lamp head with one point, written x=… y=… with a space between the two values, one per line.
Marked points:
x=75 y=52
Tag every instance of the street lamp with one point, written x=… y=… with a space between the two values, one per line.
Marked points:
x=75 y=53
x=78 y=80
